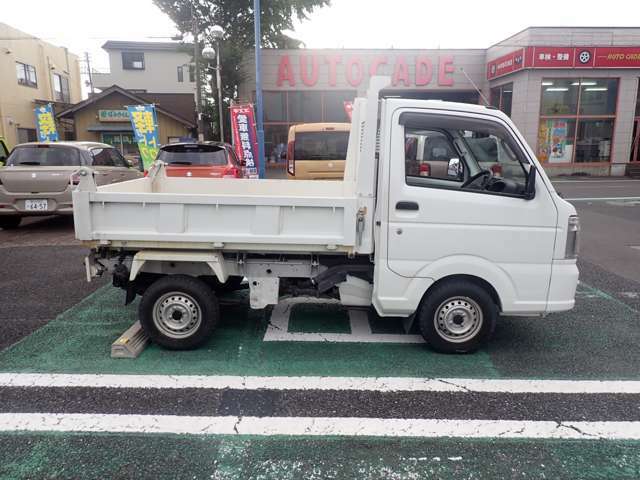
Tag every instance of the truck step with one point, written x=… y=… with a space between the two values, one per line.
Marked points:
x=131 y=343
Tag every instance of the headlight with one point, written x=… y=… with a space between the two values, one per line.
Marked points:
x=573 y=237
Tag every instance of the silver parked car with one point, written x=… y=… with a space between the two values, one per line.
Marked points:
x=38 y=177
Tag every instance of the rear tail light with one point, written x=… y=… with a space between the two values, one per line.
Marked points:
x=145 y=173
x=496 y=169
x=425 y=170
x=231 y=172
x=291 y=164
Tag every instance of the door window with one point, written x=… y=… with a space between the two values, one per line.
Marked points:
x=102 y=157
x=461 y=153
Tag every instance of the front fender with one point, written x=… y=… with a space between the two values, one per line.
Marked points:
x=479 y=267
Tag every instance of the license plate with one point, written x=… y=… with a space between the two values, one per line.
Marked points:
x=36 y=205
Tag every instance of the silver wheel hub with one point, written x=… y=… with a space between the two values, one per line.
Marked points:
x=458 y=319
x=176 y=315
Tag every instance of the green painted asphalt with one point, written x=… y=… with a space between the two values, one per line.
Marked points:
x=45 y=456
x=599 y=339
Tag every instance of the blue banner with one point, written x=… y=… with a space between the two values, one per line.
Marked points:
x=145 y=129
x=46 y=124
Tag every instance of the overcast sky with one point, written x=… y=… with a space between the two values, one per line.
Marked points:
x=84 y=25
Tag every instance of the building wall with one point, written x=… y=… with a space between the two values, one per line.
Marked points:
x=160 y=74
x=17 y=101
x=167 y=126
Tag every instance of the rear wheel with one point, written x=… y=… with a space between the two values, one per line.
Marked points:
x=10 y=222
x=179 y=312
x=457 y=316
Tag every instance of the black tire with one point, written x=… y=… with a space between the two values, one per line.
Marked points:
x=187 y=297
x=461 y=305
x=9 y=222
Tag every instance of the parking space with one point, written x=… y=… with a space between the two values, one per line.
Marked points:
x=312 y=390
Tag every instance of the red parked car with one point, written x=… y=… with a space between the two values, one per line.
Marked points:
x=200 y=159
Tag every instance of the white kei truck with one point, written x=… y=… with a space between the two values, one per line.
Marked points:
x=451 y=252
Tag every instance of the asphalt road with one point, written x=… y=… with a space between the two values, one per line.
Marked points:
x=55 y=323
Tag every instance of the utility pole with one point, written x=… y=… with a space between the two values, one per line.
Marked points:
x=88 y=62
x=219 y=84
x=259 y=113
x=196 y=59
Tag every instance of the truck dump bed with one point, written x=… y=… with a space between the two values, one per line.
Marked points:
x=223 y=213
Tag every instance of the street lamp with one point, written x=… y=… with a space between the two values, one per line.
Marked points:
x=217 y=32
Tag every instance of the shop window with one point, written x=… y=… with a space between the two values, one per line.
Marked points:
x=305 y=106
x=61 y=88
x=501 y=97
x=26 y=75
x=559 y=97
x=275 y=107
x=132 y=60
x=577 y=120
x=556 y=140
x=334 y=110
x=27 y=135
x=593 y=141
x=598 y=96
x=275 y=143
x=638 y=101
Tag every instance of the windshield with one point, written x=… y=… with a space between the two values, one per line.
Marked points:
x=321 y=145
x=44 y=155
x=193 y=155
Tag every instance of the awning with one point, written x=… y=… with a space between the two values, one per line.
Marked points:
x=111 y=127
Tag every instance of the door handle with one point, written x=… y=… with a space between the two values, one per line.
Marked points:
x=407 y=206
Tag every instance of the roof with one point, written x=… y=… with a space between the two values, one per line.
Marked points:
x=135 y=98
x=81 y=145
x=156 y=46
x=181 y=104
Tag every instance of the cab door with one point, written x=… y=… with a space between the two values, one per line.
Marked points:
x=437 y=226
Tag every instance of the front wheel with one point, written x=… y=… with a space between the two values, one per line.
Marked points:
x=457 y=317
x=179 y=312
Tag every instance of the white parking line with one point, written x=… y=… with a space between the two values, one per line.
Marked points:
x=602 y=199
x=376 y=384
x=278 y=329
x=321 y=426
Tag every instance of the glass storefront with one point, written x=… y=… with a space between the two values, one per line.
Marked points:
x=286 y=108
x=502 y=98
x=577 y=119
x=123 y=142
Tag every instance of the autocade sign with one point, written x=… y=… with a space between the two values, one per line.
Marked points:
x=564 y=57
x=307 y=70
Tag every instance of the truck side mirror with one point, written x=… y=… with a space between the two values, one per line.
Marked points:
x=455 y=168
x=530 y=189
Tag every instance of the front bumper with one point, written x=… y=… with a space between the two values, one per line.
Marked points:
x=58 y=203
x=562 y=289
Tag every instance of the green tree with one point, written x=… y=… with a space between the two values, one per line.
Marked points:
x=236 y=18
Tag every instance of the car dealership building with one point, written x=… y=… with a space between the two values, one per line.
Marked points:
x=573 y=92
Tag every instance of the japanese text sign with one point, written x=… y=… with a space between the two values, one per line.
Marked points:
x=245 y=143
x=145 y=129
x=46 y=124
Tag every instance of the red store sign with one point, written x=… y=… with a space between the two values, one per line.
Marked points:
x=427 y=70
x=565 y=57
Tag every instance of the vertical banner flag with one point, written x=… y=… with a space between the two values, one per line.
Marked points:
x=46 y=124
x=145 y=129
x=245 y=138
